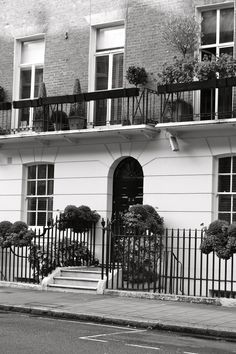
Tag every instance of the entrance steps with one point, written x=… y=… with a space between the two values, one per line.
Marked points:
x=76 y=279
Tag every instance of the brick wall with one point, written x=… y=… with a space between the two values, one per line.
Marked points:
x=66 y=59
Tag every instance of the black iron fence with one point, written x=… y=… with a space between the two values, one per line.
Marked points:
x=47 y=250
x=198 y=100
x=171 y=264
x=129 y=106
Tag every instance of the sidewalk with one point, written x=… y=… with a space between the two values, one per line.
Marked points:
x=200 y=319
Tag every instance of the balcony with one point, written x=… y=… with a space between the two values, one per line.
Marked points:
x=85 y=111
x=211 y=101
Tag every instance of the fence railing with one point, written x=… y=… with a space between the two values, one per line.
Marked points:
x=130 y=106
x=171 y=263
x=47 y=250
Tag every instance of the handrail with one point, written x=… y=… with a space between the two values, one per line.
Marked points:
x=82 y=97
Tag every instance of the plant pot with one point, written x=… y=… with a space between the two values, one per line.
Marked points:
x=77 y=122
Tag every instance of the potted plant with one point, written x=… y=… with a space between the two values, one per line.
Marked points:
x=2 y=94
x=77 y=119
x=137 y=76
x=40 y=113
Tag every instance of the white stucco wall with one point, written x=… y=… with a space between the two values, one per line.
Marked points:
x=180 y=184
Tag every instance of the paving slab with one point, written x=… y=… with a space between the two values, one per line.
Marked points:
x=194 y=318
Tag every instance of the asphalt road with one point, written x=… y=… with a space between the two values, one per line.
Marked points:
x=20 y=333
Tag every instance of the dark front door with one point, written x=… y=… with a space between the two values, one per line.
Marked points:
x=127 y=186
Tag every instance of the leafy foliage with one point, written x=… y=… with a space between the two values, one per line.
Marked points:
x=181 y=70
x=79 y=219
x=181 y=33
x=16 y=234
x=136 y=75
x=63 y=254
x=141 y=218
x=140 y=247
x=221 y=238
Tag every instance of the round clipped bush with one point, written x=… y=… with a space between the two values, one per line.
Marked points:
x=143 y=218
x=5 y=226
x=136 y=75
x=79 y=219
x=19 y=226
x=221 y=238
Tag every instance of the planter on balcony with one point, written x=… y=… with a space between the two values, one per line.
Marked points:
x=197 y=85
x=77 y=122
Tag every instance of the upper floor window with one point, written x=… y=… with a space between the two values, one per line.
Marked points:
x=40 y=185
x=31 y=62
x=217 y=28
x=218 y=31
x=109 y=59
x=227 y=189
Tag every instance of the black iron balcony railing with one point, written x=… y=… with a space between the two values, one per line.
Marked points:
x=86 y=110
x=200 y=100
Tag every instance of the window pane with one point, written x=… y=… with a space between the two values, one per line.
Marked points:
x=38 y=80
x=113 y=37
x=117 y=71
x=234 y=183
x=224 y=216
x=226 y=25
x=25 y=83
x=32 y=204
x=234 y=164
x=225 y=165
x=42 y=204
x=227 y=50
x=31 y=172
x=224 y=184
x=41 y=219
x=234 y=217
x=100 y=115
x=31 y=188
x=32 y=52
x=42 y=171
x=50 y=171
x=31 y=218
x=102 y=64
x=209 y=27
x=50 y=204
x=41 y=189
x=208 y=53
x=224 y=203
x=234 y=202
x=50 y=187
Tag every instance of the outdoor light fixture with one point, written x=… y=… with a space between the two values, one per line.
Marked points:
x=173 y=141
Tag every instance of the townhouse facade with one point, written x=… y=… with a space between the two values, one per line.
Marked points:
x=186 y=169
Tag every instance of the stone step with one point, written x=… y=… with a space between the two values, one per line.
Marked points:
x=71 y=288
x=84 y=282
x=80 y=273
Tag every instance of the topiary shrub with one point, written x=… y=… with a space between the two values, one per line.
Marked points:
x=16 y=234
x=220 y=237
x=79 y=219
x=142 y=218
x=136 y=75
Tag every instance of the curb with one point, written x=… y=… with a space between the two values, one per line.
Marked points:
x=206 y=332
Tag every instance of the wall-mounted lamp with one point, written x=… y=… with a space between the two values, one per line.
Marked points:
x=66 y=35
x=173 y=142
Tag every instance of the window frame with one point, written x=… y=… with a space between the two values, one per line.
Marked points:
x=37 y=211
x=230 y=193
x=217 y=45
x=94 y=53
x=18 y=66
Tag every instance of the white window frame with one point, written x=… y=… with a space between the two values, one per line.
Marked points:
x=47 y=196
x=17 y=72
x=217 y=45
x=230 y=193
x=93 y=54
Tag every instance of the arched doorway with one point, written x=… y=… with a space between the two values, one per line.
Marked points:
x=127 y=186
